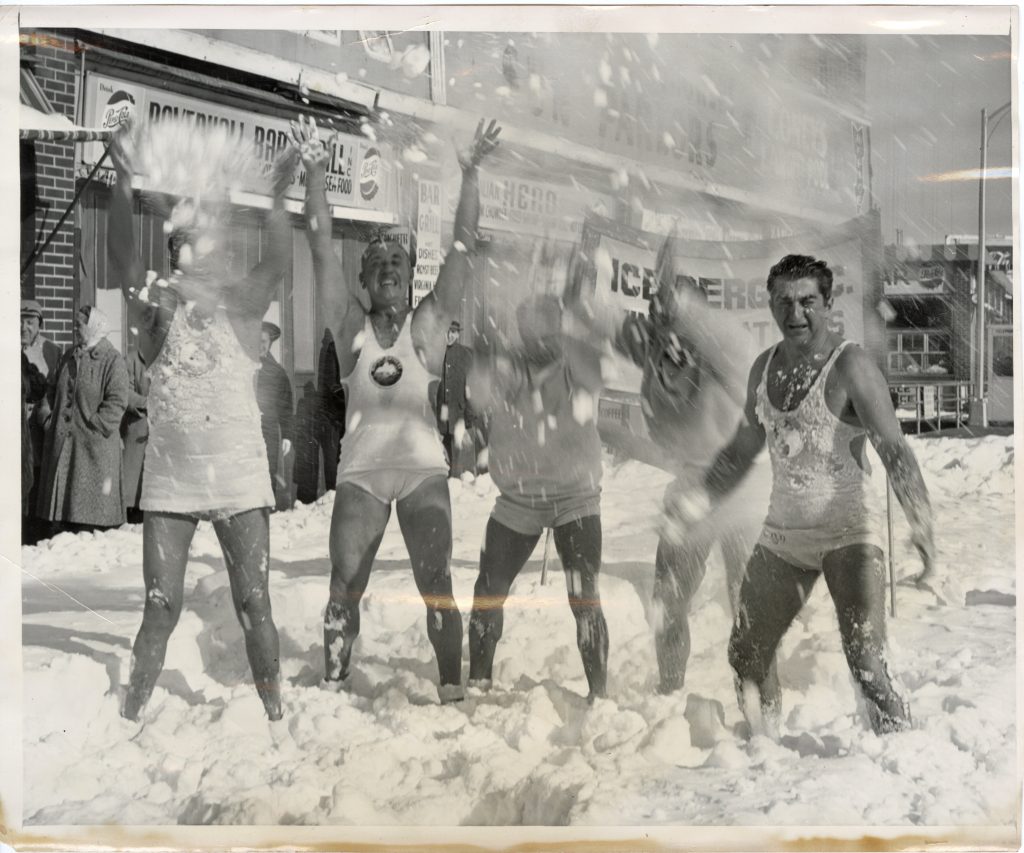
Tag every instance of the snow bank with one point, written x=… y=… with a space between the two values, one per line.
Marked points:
x=531 y=751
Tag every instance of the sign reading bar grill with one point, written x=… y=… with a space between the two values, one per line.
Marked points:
x=358 y=171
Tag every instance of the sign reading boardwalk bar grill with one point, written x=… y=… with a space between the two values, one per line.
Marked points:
x=358 y=172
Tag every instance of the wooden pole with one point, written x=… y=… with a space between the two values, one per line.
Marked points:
x=547 y=554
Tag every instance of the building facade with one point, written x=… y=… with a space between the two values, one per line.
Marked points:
x=610 y=139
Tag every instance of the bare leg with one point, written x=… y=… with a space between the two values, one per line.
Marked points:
x=425 y=517
x=245 y=540
x=357 y=526
x=579 y=547
x=678 y=572
x=737 y=545
x=165 y=542
x=856 y=581
x=502 y=557
x=772 y=594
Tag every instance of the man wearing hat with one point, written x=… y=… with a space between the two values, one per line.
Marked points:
x=274 y=396
x=454 y=416
x=44 y=355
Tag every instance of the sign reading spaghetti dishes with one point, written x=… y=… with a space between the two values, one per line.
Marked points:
x=358 y=170
x=733 y=275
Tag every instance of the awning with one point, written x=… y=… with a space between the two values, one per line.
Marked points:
x=39 y=121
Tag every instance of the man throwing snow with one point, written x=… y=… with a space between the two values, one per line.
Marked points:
x=392 y=452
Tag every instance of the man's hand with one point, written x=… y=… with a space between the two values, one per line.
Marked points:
x=305 y=137
x=685 y=509
x=484 y=142
x=286 y=446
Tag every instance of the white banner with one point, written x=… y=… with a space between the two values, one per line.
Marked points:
x=733 y=276
x=428 y=240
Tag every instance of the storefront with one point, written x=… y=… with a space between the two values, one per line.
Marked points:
x=932 y=325
x=652 y=134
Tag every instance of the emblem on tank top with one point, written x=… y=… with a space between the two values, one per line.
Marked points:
x=386 y=371
x=788 y=440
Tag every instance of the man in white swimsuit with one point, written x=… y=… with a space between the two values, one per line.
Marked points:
x=814 y=399
x=205 y=458
x=392 y=452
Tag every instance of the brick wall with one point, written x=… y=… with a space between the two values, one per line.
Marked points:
x=55 y=279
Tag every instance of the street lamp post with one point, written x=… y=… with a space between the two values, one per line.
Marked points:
x=979 y=403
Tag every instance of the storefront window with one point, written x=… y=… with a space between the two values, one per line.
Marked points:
x=919 y=352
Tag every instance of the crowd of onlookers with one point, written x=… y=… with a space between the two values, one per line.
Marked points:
x=85 y=427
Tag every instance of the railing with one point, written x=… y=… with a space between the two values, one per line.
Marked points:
x=936 y=404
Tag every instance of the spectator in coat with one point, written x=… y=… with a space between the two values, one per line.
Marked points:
x=80 y=487
x=306 y=470
x=454 y=415
x=274 y=397
x=134 y=435
x=33 y=388
x=44 y=356
x=331 y=415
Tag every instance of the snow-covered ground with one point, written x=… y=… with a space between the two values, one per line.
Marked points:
x=531 y=751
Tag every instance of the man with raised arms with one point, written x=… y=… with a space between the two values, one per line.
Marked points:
x=389 y=357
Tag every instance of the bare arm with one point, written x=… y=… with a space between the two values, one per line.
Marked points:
x=254 y=294
x=122 y=245
x=444 y=303
x=446 y=297
x=869 y=396
x=344 y=313
x=736 y=458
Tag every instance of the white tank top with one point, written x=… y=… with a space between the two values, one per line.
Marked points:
x=205 y=448
x=816 y=478
x=390 y=423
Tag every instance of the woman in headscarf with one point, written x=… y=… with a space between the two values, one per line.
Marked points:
x=80 y=481
x=199 y=332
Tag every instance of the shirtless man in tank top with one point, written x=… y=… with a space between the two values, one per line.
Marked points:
x=392 y=451
x=815 y=400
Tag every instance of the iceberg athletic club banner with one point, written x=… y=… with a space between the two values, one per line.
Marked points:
x=620 y=264
x=358 y=174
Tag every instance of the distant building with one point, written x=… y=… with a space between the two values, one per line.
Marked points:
x=931 y=291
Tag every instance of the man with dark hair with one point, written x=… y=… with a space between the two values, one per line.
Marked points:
x=392 y=454
x=274 y=397
x=815 y=399
x=454 y=413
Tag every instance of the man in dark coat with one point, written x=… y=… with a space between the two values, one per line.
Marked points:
x=135 y=434
x=274 y=397
x=454 y=414
x=306 y=469
x=43 y=356
x=80 y=479
x=331 y=414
